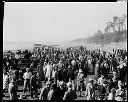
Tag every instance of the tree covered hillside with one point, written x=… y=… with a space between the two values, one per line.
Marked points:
x=115 y=31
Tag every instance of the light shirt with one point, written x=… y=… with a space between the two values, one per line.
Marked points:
x=48 y=71
x=27 y=75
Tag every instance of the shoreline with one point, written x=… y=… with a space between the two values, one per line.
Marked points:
x=106 y=47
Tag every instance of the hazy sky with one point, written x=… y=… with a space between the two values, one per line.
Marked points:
x=41 y=22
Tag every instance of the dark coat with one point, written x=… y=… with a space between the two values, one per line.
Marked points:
x=112 y=85
x=104 y=71
x=102 y=90
x=60 y=75
x=61 y=92
x=71 y=74
x=70 y=95
x=122 y=73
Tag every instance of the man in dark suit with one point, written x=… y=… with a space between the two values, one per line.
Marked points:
x=70 y=94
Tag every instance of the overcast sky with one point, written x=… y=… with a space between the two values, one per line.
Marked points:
x=54 y=22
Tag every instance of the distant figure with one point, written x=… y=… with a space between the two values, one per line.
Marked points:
x=112 y=84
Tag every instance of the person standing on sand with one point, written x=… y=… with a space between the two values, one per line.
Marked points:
x=12 y=90
x=27 y=76
x=89 y=90
x=48 y=70
x=5 y=81
x=44 y=91
x=70 y=94
x=53 y=93
x=33 y=85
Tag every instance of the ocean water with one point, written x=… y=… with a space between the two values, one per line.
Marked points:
x=16 y=46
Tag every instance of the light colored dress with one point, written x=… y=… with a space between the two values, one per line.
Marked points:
x=48 y=71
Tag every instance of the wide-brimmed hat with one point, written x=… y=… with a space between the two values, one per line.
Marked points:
x=69 y=84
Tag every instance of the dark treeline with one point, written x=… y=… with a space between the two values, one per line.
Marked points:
x=115 y=31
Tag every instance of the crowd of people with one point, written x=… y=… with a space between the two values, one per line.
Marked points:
x=65 y=75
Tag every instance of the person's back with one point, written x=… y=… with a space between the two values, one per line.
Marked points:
x=102 y=91
x=61 y=91
x=39 y=84
x=123 y=72
x=70 y=95
x=33 y=81
x=112 y=84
